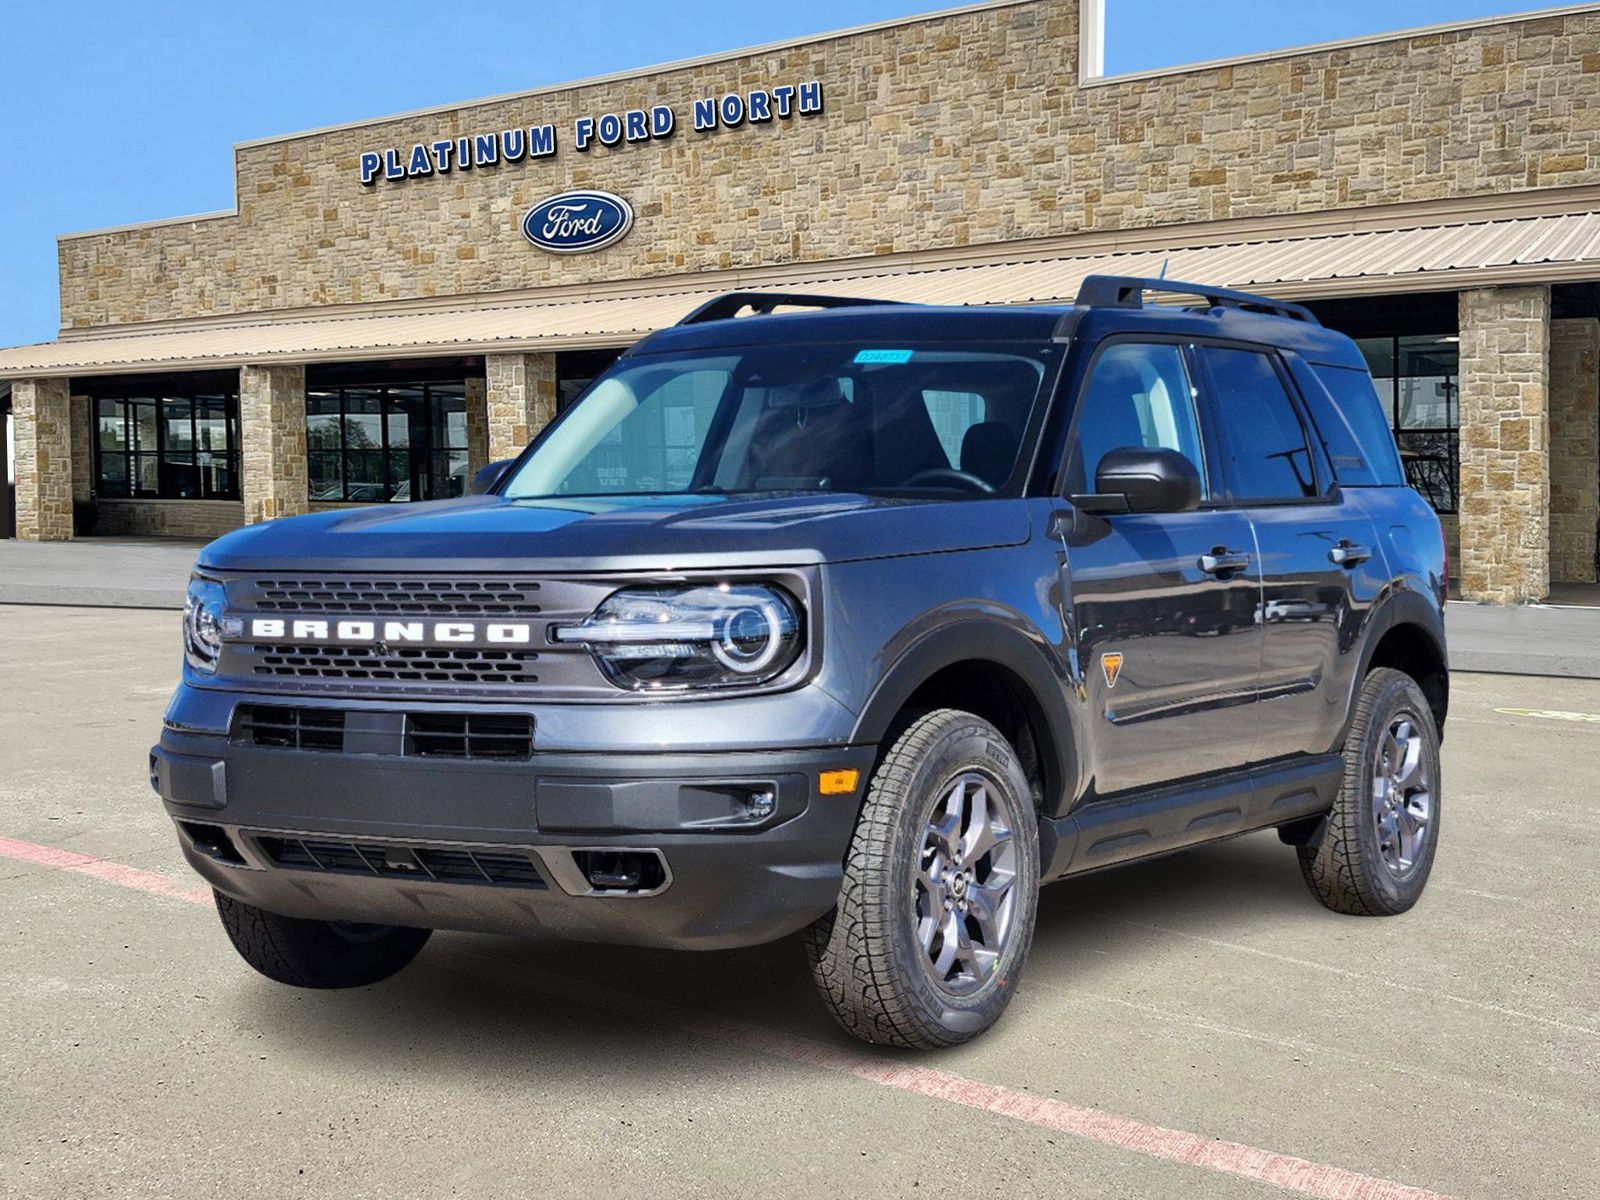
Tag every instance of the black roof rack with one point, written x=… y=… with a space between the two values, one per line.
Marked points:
x=1121 y=291
x=734 y=303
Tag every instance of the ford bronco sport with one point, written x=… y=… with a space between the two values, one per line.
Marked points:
x=864 y=622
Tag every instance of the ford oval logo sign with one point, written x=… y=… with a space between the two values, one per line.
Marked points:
x=578 y=222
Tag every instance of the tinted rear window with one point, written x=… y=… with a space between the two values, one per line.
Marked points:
x=1353 y=426
x=1266 y=453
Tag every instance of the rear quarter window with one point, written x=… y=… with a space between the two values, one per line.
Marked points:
x=1354 y=428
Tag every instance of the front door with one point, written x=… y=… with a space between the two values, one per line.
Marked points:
x=1161 y=608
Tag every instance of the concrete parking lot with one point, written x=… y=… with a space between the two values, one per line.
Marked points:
x=1187 y=1028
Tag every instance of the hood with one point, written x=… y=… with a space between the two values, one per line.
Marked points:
x=491 y=533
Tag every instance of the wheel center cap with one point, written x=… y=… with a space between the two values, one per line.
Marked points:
x=958 y=885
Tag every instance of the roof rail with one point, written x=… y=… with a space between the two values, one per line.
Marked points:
x=1122 y=291
x=733 y=303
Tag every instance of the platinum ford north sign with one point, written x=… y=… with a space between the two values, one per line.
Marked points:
x=492 y=148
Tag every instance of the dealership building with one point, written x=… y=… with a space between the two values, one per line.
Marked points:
x=393 y=303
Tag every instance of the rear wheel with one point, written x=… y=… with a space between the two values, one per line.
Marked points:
x=317 y=954
x=936 y=913
x=1377 y=850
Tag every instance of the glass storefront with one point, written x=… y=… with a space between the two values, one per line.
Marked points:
x=387 y=442
x=1417 y=378
x=166 y=444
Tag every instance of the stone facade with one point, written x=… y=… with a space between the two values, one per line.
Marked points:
x=1505 y=444
x=1574 y=449
x=959 y=129
x=521 y=400
x=168 y=518
x=83 y=472
x=274 y=472
x=477 y=425
x=42 y=430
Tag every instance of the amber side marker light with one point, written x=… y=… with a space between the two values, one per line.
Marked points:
x=838 y=783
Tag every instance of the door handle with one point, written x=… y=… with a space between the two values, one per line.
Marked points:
x=1348 y=554
x=1222 y=561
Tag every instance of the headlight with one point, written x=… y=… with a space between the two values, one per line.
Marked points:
x=202 y=624
x=723 y=635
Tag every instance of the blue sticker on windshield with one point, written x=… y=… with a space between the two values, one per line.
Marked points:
x=883 y=356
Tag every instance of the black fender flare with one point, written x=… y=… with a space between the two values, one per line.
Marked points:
x=1401 y=606
x=979 y=640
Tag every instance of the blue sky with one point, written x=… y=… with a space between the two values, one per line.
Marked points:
x=115 y=112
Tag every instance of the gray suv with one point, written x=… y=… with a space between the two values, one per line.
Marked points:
x=859 y=622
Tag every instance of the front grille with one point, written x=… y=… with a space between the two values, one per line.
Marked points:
x=469 y=735
x=392 y=595
x=488 y=866
x=290 y=728
x=431 y=668
x=400 y=664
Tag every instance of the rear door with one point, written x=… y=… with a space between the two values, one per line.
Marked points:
x=1160 y=607
x=1319 y=562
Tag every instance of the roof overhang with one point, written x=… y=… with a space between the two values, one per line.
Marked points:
x=1299 y=265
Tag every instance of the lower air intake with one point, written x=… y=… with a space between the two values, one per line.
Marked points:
x=488 y=866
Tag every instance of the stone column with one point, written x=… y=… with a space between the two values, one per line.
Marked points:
x=272 y=433
x=42 y=427
x=83 y=473
x=1505 y=444
x=477 y=424
x=522 y=400
x=1574 y=449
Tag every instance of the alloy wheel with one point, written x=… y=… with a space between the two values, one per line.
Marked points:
x=1402 y=796
x=964 y=901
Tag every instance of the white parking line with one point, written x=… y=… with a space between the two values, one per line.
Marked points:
x=1284 y=1171
x=1550 y=714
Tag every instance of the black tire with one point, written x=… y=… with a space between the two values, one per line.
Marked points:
x=866 y=955
x=1349 y=869
x=317 y=954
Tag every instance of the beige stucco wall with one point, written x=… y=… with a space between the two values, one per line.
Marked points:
x=960 y=129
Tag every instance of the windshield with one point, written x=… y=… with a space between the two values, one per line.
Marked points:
x=771 y=418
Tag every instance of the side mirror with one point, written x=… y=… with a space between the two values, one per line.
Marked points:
x=1139 y=479
x=488 y=476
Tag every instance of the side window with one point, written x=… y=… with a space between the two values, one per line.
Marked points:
x=1354 y=427
x=1137 y=394
x=1266 y=455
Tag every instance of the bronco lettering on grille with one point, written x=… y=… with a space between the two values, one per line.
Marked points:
x=465 y=633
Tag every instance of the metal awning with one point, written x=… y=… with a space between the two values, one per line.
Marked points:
x=1538 y=249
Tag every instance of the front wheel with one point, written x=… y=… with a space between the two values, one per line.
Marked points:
x=941 y=886
x=317 y=954
x=1377 y=848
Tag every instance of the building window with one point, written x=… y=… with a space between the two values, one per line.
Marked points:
x=389 y=442
x=576 y=370
x=1417 y=378
x=168 y=446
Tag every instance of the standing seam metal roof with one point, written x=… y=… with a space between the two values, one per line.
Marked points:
x=1523 y=249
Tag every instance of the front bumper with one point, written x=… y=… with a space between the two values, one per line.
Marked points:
x=392 y=839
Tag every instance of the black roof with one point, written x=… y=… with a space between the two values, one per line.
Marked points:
x=888 y=323
x=917 y=324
